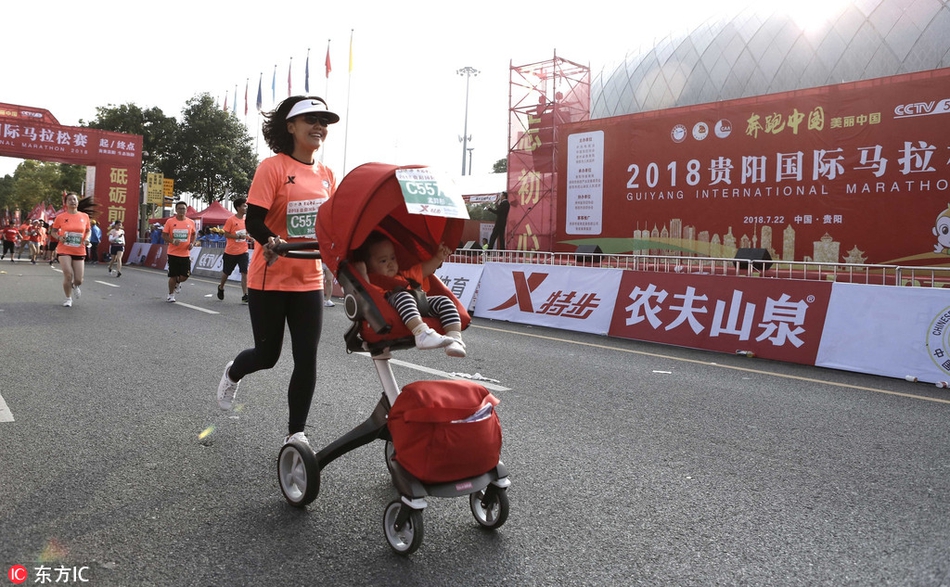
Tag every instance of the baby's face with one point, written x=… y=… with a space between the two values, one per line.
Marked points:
x=382 y=259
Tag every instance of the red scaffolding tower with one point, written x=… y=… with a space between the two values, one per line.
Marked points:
x=542 y=97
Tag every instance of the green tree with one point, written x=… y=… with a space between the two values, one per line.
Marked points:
x=214 y=159
x=159 y=133
x=500 y=166
x=35 y=182
x=71 y=178
x=6 y=192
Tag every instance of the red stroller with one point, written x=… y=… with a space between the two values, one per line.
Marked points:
x=370 y=198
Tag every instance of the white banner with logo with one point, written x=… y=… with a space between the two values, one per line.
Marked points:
x=570 y=298
x=462 y=280
x=891 y=331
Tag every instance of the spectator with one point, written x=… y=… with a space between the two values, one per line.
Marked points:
x=95 y=237
x=500 y=210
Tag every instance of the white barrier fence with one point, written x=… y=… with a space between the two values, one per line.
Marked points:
x=843 y=316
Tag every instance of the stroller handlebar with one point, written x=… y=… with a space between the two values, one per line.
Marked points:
x=300 y=250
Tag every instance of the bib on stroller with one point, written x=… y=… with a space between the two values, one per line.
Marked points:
x=370 y=198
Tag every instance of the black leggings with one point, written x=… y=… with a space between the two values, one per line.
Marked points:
x=303 y=313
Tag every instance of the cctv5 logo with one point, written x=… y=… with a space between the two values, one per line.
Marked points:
x=17 y=574
x=523 y=288
x=922 y=108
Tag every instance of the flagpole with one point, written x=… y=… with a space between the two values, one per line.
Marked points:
x=326 y=88
x=260 y=105
x=349 y=83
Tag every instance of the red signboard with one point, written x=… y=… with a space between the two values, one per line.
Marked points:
x=33 y=133
x=774 y=319
x=856 y=172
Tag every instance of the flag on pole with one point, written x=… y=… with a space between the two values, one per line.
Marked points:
x=225 y=101
x=351 y=50
x=260 y=101
x=329 y=69
x=306 y=74
x=289 y=67
x=247 y=83
x=273 y=86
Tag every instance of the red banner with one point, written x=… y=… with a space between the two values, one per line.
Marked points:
x=33 y=133
x=855 y=172
x=774 y=319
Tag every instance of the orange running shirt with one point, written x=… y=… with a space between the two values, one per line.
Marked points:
x=235 y=225
x=291 y=192
x=182 y=231
x=73 y=231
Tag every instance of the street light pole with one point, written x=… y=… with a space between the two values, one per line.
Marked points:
x=468 y=72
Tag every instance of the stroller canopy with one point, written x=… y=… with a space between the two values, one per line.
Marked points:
x=370 y=198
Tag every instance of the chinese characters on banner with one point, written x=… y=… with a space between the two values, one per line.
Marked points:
x=856 y=173
x=32 y=133
x=775 y=318
x=779 y=319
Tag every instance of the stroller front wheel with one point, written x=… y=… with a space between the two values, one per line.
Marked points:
x=298 y=474
x=403 y=527
x=490 y=506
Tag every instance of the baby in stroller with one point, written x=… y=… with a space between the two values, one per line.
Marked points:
x=405 y=291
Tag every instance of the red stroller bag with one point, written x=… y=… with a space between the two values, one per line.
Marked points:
x=445 y=430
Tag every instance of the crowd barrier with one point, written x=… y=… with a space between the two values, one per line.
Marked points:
x=851 y=319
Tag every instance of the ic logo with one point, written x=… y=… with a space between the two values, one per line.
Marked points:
x=17 y=574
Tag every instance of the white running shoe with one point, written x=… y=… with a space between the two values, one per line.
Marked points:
x=430 y=339
x=170 y=298
x=329 y=303
x=76 y=292
x=298 y=437
x=178 y=287
x=68 y=303
x=227 y=389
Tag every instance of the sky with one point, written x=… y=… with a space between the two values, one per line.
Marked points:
x=403 y=101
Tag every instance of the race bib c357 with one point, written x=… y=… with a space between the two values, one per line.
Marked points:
x=302 y=218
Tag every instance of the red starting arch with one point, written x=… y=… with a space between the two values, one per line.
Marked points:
x=34 y=133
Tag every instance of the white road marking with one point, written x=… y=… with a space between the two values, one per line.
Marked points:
x=5 y=414
x=206 y=311
x=107 y=283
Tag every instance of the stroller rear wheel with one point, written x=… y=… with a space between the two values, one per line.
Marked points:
x=403 y=527
x=490 y=506
x=389 y=451
x=298 y=474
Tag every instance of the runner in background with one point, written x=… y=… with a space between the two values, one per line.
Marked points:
x=116 y=247
x=235 y=249
x=72 y=229
x=180 y=234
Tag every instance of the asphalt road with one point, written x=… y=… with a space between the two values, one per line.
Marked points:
x=631 y=463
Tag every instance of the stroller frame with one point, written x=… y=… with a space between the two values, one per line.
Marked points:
x=299 y=467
